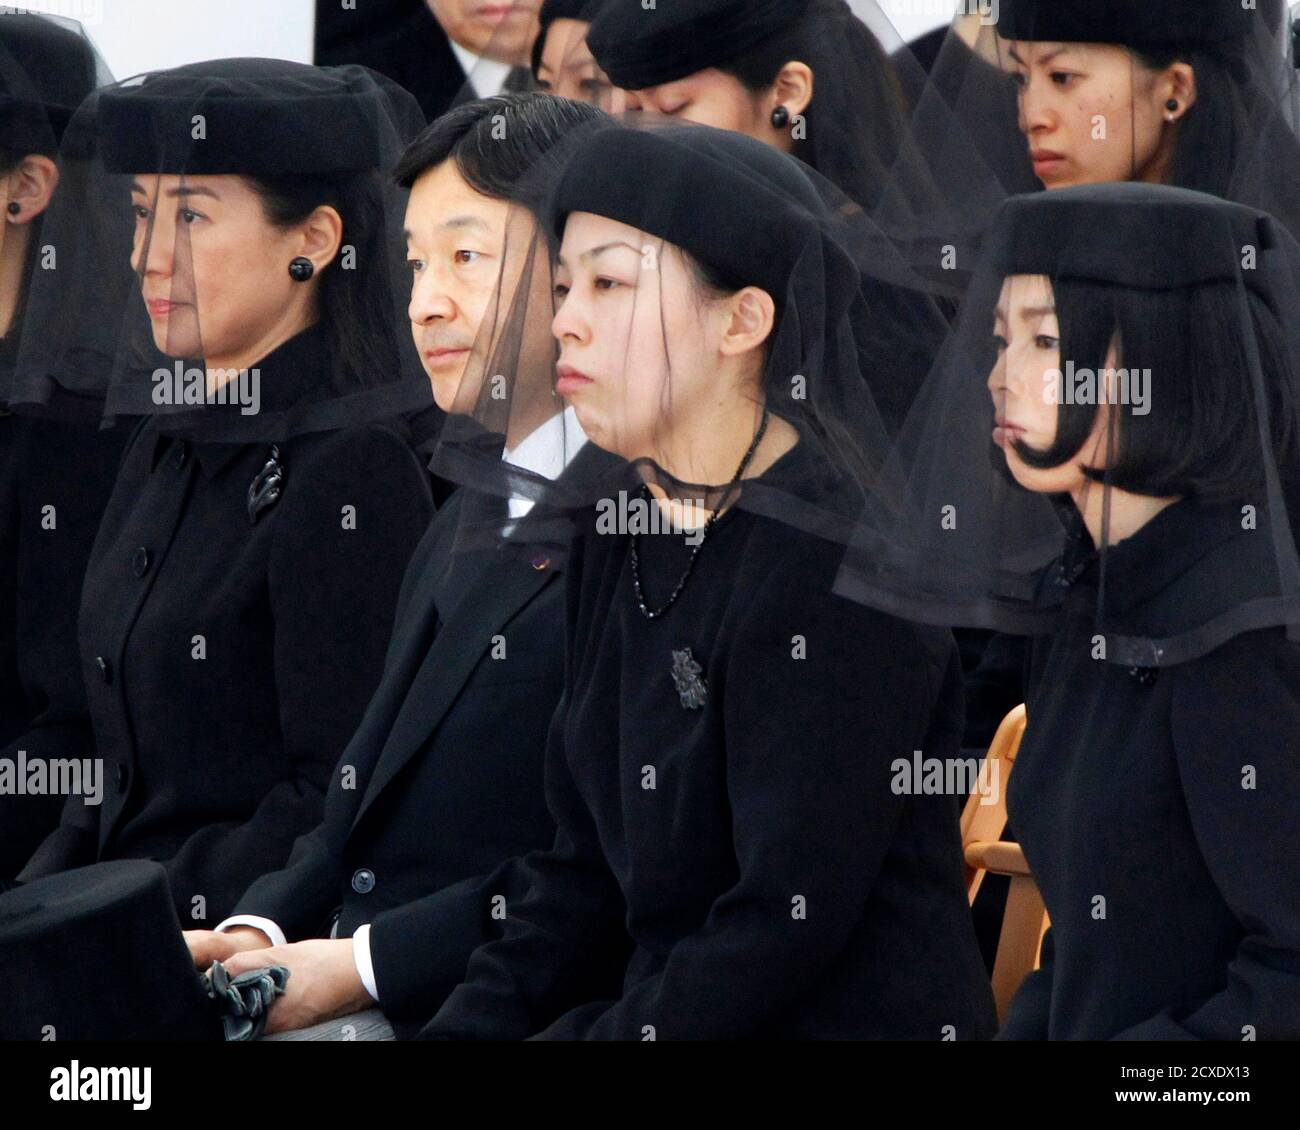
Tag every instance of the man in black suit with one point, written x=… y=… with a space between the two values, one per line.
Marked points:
x=442 y=51
x=442 y=784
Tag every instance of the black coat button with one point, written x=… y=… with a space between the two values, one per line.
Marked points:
x=122 y=776
x=140 y=561
x=105 y=669
x=363 y=881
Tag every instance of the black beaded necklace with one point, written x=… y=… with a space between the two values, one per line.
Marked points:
x=655 y=614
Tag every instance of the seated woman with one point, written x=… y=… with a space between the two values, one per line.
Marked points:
x=56 y=465
x=1097 y=93
x=239 y=598
x=807 y=77
x=1139 y=388
x=732 y=838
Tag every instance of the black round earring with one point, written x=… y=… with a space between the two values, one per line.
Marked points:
x=14 y=207
x=780 y=117
x=1172 y=105
x=301 y=269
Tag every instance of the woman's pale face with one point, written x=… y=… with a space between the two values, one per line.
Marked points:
x=1089 y=113
x=1025 y=386
x=709 y=98
x=568 y=69
x=627 y=321
x=213 y=268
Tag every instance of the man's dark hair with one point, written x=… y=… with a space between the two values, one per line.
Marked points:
x=495 y=142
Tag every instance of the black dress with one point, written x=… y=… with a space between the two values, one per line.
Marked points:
x=55 y=477
x=747 y=853
x=227 y=662
x=1160 y=809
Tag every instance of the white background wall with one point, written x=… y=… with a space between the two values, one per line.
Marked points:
x=140 y=35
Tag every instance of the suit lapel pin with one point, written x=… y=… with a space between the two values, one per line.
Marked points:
x=266 y=487
x=686 y=677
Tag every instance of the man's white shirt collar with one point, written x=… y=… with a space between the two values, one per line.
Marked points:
x=486 y=76
x=547 y=451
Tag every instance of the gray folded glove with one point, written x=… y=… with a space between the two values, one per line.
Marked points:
x=245 y=1000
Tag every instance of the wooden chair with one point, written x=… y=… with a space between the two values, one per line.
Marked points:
x=1024 y=921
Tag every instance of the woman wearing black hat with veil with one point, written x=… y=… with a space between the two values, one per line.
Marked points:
x=732 y=839
x=239 y=598
x=1069 y=92
x=56 y=467
x=1100 y=463
x=1199 y=96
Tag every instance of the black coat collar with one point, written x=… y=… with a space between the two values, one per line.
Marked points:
x=1194 y=565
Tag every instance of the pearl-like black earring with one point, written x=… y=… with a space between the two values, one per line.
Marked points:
x=780 y=117
x=1172 y=106
x=14 y=207
x=301 y=269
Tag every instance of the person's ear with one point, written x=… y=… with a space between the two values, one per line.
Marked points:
x=322 y=236
x=1176 y=89
x=750 y=317
x=793 y=88
x=31 y=186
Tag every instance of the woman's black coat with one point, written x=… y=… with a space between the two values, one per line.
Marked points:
x=749 y=853
x=227 y=661
x=1160 y=809
x=55 y=479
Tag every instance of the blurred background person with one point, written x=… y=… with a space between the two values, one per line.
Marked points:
x=56 y=466
x=439 y=50
x=563 y=63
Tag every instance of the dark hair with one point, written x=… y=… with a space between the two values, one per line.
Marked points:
x=1200 y=438
x=1234 y=141
x=866 y=104
x=9 y=161
x=356 y=305
x=495 y=142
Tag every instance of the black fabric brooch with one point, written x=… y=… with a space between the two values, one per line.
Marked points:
x=687 y=673
x=267 y=487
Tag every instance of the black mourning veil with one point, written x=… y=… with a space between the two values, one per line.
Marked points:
x=1027 y=94
x=855 y=130
x=168 y=169
x=745 y=216
x=47 y=67
x=1122 y=380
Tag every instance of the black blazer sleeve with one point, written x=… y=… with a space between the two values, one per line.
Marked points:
x=1236 y=731
x=300 y=896
x=420 y=950
x=333 y=591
